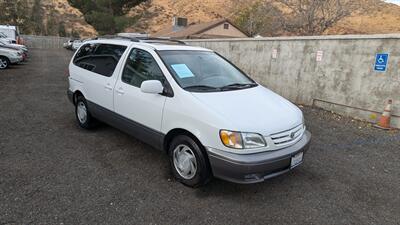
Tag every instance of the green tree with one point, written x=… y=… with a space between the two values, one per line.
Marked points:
x=107 y=16
x=15 y=12
x=61 y=30
x=102 y=21
x=74 y=33
x=313 y=17
x=37 y=18
x=52 y=27
x=261 y=18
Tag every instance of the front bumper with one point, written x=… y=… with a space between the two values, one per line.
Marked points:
x=15 y=60
x=254 y=168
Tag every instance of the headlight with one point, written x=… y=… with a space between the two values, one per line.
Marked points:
x=241 y=140
x=251 y=140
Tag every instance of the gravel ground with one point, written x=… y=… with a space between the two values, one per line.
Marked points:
x=52 y=172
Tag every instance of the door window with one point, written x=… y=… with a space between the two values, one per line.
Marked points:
x=141 y=66
x=99 y=58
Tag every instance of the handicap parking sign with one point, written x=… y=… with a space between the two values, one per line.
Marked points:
x=381 y=62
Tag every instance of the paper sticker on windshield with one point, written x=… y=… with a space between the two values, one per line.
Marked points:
x=182 y=70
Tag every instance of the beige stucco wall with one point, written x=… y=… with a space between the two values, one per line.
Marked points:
x=220 y=31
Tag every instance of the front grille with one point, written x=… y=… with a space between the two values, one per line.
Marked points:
x=286 y=137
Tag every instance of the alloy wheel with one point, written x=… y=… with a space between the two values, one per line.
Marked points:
x=3 y=63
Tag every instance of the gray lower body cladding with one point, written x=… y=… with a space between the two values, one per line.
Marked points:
x=254 y=168
x=137 y=130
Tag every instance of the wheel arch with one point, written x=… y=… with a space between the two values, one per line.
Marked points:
x=7 y=61
x=6 y=57
x=75 y=96
x=180 y=131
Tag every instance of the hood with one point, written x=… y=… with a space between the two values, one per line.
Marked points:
x=17 y=46
x=14 y=46
x=255 y=109
x=8 y=49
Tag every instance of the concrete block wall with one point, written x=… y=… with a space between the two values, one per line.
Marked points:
x=344 y=81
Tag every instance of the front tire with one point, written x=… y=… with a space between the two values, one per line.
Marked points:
x=83 y=116
x=4 y=62
x=189 y=162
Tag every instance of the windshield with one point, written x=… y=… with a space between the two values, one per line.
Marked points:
x=204 y=71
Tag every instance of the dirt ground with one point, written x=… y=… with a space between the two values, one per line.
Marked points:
x=52 y=172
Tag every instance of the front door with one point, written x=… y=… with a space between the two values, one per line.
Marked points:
x=142 y=109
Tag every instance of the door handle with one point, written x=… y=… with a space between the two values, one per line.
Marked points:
x=108 y=87
x=120 y=91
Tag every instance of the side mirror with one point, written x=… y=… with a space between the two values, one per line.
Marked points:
x=152 y=87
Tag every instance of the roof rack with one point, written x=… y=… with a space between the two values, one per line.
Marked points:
x=161 y=40
x=142 y=39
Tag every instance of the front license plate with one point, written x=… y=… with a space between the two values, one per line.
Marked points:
x=296 y=160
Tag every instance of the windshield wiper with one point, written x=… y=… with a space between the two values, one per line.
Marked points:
x=238 y=86
x=202 y=88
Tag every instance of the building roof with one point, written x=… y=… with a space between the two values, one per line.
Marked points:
x=194 y=31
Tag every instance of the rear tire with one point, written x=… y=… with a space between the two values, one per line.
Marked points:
x=83 y=116
x=4 y=63
x=189 y=163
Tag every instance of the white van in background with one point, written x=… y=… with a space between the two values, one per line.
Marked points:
x=4 y=38
x=11 y=33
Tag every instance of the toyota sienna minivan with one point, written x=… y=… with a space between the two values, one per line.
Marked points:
x=207 y=115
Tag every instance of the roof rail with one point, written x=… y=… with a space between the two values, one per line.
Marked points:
x=142 y=39
x=117 y=37
x=161 y=40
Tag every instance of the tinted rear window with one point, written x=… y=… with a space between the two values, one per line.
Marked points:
x=99 y=58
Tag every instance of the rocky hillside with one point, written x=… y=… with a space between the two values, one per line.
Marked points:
x=157 y=14
x=373 y=16
x=70 y=17
x=45 y=17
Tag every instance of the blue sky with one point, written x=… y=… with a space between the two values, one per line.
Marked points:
x=393 y=1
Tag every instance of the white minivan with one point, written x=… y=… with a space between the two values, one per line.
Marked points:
x=208 y=116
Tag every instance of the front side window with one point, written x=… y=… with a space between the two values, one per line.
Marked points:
x=141 y=66
x=99 y=58
x=204 y=71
